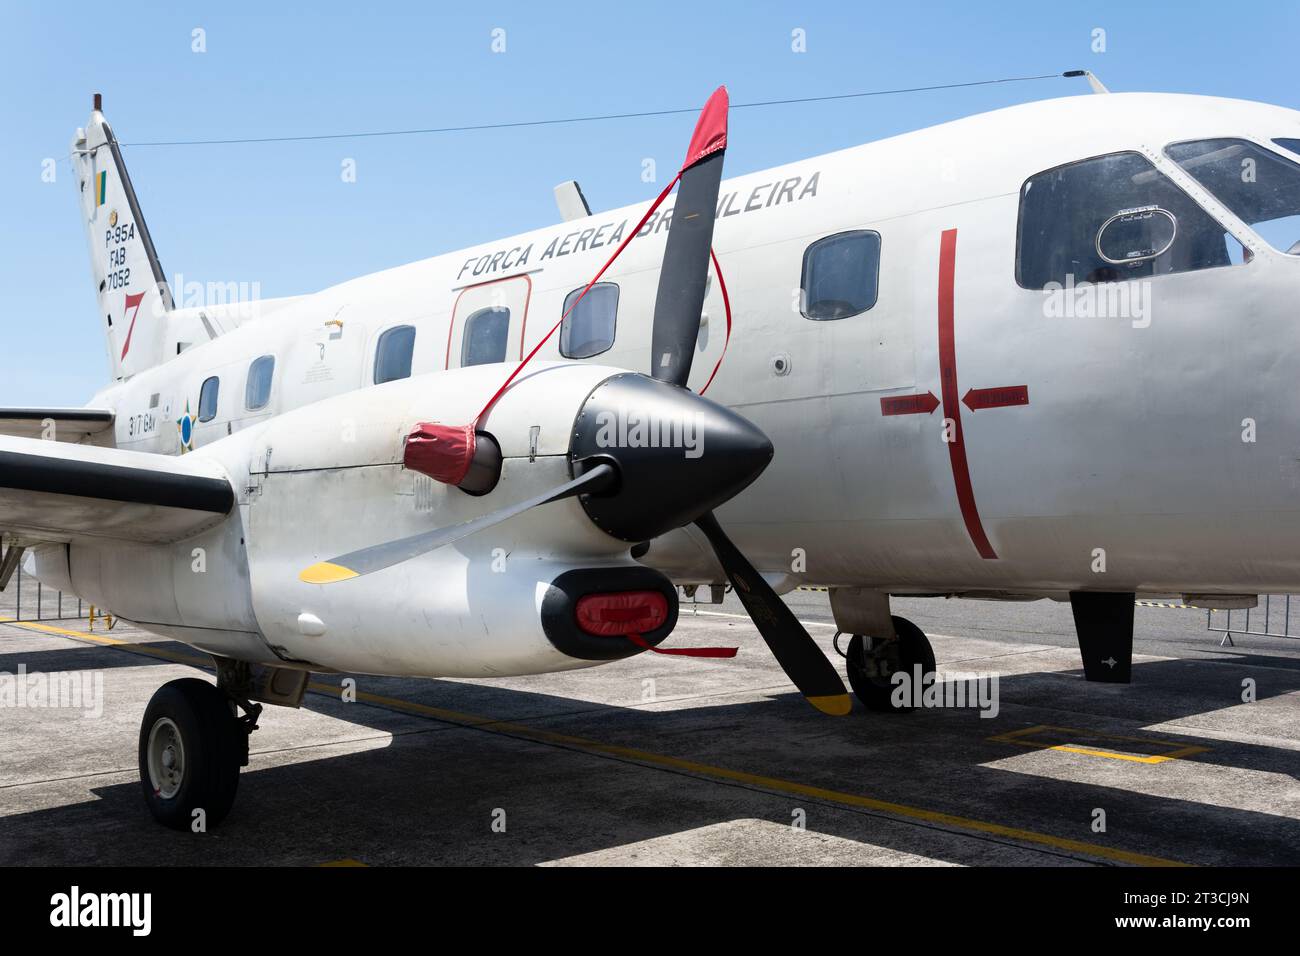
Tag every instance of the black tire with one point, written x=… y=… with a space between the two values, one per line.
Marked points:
x=875 y=689
x=213 y=744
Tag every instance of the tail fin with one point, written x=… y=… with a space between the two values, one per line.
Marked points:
x=134 y=297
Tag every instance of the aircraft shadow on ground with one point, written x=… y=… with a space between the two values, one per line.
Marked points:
x=428 y=795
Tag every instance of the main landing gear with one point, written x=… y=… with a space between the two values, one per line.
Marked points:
x=192 y=745
x=872 y=663
x=194 y=739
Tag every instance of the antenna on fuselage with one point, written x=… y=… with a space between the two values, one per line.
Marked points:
x=1097 y=85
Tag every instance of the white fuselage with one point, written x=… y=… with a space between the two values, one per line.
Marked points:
x=1131 y=444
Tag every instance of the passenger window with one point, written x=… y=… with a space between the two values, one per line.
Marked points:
x=840 y=275
x=208 y=399
x=258 y=390
x=393 y=354
x=485 y=337
x=1112 y=218
x=1259 y=186
x=589 y=329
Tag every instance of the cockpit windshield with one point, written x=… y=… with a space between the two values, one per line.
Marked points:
x=1112 y=218
x=1259 y=185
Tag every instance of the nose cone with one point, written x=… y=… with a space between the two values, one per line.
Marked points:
x=678 y=455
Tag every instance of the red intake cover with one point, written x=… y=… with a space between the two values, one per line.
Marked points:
x=621 y=613
x=443 y=452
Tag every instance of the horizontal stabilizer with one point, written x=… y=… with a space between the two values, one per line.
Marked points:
x=59 y=424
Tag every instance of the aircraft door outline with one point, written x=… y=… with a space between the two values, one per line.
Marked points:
x=510 y=292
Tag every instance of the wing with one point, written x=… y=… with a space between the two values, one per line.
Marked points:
x=54 y=491
x=94 y=425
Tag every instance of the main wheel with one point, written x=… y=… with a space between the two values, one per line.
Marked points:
x=191 y=749
x=871 y=672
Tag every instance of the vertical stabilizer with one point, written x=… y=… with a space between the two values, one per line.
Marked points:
x=130 y=285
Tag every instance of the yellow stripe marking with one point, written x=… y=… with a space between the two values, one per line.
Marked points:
x=774 y=784
x=1177 y=752
x=325 y=572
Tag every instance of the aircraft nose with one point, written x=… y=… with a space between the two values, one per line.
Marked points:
x=678 y=454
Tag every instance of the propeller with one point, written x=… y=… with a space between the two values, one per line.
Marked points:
x=638 y=492
x=678 y=309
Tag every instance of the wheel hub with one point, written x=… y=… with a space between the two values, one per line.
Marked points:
x=166 y=758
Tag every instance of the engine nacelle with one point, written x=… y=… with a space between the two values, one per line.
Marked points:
x=329 y=478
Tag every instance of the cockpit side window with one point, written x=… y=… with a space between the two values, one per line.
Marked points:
x=1260 y=186
x=1112 y=218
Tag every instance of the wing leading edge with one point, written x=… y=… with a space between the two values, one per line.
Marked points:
x=53 y=491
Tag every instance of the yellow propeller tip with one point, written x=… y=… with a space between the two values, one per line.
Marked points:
x=323 y=572
x=837 y=705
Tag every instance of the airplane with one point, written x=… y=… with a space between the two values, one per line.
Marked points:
x=407 y=474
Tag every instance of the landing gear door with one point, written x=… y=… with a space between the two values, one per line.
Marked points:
x=488 y=322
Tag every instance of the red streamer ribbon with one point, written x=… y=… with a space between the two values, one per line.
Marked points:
x=639 y=641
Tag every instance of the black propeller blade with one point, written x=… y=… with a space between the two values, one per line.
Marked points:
x=684 y=275
x=678 y=307
x=792 y=646
x=385 y=555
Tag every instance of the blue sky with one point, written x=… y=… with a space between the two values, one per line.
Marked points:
x=280 y=214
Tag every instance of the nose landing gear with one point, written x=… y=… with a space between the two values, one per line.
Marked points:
x=872 y=663
x=192 y=745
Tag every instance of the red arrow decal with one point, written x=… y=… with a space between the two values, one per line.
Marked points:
x=977 y=398
x=909 y=404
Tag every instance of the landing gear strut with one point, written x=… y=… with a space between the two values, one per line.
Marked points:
x=192 y=745
x=872 y=663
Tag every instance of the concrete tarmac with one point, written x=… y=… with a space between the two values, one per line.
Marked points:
x=679 y=761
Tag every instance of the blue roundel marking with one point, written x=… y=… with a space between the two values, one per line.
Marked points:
x=186 y=428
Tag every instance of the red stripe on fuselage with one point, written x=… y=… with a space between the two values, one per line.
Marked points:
x=951 y=400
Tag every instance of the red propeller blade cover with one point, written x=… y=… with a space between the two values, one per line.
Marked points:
x=710 y=130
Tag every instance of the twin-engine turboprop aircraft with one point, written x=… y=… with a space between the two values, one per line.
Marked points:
x=408 y=474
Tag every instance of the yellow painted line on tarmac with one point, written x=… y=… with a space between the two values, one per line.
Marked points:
x=758 y=780
x=774 y=784
x=149 y=649
x=344 y=862
x=1177 y=750
x=51 y=629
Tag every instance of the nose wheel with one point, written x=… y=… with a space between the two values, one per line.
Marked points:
x=192 y=745
x=872 y=663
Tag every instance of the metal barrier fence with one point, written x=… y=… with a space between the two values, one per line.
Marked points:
x=30 y=601
x=1271 y=618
